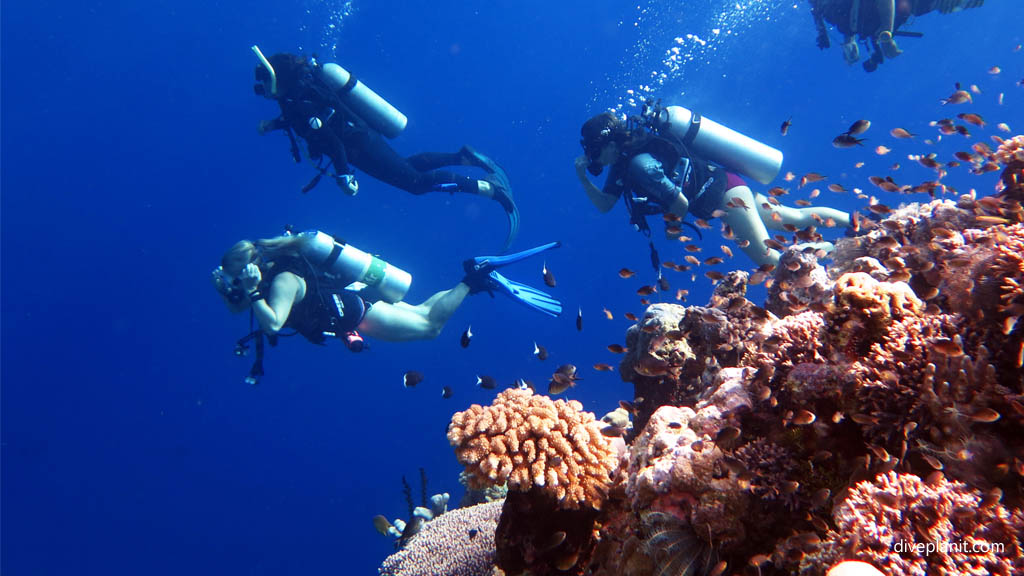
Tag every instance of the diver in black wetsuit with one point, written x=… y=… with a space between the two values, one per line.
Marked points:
x=342 y=123
x=874 y=22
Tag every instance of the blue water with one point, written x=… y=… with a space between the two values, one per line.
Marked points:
x=131 y=162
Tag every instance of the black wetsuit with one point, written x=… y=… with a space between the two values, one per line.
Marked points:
x=324 y=310
x=653 y=170
x=837 y=13
x=347 y=140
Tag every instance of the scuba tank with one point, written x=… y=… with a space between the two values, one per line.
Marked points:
x=374 y=110
x=710 y=140
x=350 y=265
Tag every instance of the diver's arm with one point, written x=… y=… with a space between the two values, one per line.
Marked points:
x=603 y=202
x=272 y=311
x=649 y=175
x=278 y=123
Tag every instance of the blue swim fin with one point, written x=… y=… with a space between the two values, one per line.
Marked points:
x=482 y=276
x=493 y=262
x=502 y=189
x=527 y=295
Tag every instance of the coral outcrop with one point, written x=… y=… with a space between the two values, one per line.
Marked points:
x=900 y=370
x=528 y=441
x=904 y=525
x=557 y=466
x=459 y=542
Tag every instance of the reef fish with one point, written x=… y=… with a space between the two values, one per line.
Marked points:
x=845 y=140
x=549 y=277
x=412 y=378
x=540 y=352
x=467 y=336
x=486 y=382
x=859 y=127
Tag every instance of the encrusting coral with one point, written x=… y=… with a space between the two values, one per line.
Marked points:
x=459 y=542
x=904 y=525
x=528 y=441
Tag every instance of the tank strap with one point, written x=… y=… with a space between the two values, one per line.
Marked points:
x=332 y=257
x=691 y=132
x=350 y=85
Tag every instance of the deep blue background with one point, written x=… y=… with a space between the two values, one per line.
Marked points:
x=131 y=162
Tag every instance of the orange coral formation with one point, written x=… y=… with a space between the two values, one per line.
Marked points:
x=531 y=442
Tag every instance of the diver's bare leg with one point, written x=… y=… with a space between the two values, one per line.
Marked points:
x=402 y=322
x=748 y=224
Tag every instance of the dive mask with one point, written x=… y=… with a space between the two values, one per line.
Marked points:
x=592 y=151
x=228 y=286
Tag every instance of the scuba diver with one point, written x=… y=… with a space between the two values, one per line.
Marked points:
x=322 y=288
x=661 y=163
x=874 y=23
x=344 y=124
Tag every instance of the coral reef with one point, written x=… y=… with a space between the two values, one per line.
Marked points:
x=457 y=543
x=528 y=441
x=904 y=525
x=908 y=364
x=876 y=403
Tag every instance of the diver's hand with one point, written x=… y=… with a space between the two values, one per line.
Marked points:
x=581 y=167
x=250 y=277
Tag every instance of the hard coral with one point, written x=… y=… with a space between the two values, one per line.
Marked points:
x=457 y=543
x=906 y=526
x=1011 y=155
x=864 y=308
x=531 y=442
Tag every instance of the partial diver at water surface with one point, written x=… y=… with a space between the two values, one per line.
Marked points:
x=661 y=163
x=874 y=23
x=345 y=125
x=323 y=288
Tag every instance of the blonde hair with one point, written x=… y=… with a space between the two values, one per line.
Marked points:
x=262 y=251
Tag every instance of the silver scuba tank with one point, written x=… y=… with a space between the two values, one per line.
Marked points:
x=710 y=140
x=351 y=265
x=374 y=110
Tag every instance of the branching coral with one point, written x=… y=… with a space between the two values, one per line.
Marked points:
x=906 y=526
x=529 y=441
x=457 y=543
